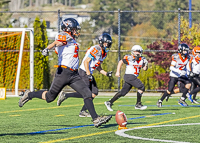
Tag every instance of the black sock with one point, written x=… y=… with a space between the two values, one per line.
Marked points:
x=194 y=96
x=118 y=95
x=35 y=94
x=139 y=96
x=90 y=106
x=164 y=95
x=73 y=94
x=185 y=91
x=195 y=90
x=84 y=108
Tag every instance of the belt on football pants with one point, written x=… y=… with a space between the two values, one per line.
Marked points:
x=63 y=66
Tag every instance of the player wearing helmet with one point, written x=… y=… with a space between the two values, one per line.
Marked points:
x=178 y=73
x=134 y=63
x=67 y=73
x=194 y=70
x=92 y=60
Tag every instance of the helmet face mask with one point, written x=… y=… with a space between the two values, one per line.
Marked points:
x=137 y=51
x=183 y=49
x=105 y=38
x=72 y=26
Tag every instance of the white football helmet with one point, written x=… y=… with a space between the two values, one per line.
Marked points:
x=136 y=48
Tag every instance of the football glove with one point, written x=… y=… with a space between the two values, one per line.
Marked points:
x=145 y=62
x=45 y=52
x=90 y=77
x=109 y=74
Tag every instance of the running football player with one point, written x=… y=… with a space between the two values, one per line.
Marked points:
x=67 y=73
x=134 y=63
x=92 y=60
x=178 y=73
x=194 y=71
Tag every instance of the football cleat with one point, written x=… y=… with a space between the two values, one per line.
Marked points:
x=101 y=120
x=195 y=101
x=84 y=114
x=189 y=97
x=140 y=106
x=24 y=98
x=182 y=102
x=159 y=103
x=108 y=105
x=61 y=98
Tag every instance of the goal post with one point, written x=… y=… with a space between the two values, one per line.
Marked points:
x=31 y=45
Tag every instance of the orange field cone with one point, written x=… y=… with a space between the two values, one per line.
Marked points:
x=120 y=128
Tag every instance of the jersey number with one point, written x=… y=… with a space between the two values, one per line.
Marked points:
x=137 y=70
x=62 y=37
x=76 y=51
x=94 y=51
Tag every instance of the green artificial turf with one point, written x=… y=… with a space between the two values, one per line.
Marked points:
x=54 y=123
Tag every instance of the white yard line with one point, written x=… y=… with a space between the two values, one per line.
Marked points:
x=122 y=132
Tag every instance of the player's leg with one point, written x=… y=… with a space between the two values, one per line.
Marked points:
x=195 y=88
x=184 y=90
x=125 y=89
x=58 y=83
x=171 y=85
x=81 y=87
x=94 y=89
x=63 y=96
x=135 y=82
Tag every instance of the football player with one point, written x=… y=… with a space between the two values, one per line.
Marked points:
x=67 y=73
x=92 y=60
x=178 y=73
x=194 y=71
x=134 y=63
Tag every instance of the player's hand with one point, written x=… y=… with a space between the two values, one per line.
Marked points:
x=45 y=52
x=117 y=74
x=90 y=77
x=145 y=62
x=109 y=74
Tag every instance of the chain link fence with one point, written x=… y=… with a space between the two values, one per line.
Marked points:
x=147 y=27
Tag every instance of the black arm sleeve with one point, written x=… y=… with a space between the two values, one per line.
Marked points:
x=125 y=61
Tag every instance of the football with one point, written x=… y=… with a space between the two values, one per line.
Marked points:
x=121 y=119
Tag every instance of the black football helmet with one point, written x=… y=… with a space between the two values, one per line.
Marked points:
x=71 y=25
x=183 y=47
x=105 y=38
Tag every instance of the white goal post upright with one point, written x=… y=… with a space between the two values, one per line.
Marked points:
x=23 y=30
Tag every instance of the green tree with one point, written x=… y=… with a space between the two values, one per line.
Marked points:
x=45 y=59
x=40 y=62
x=110 y=20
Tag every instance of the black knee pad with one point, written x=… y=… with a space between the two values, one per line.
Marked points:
x=142 y=88
x=86 y=93
x=95 y=92
x=50 y=96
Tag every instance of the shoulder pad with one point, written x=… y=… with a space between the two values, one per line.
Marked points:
x=97 y=47
x=175 y=56
x=96 y=51
x=128 y=57
x=63 y=37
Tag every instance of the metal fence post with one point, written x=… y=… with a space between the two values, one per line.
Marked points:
x=119 y=41
x=59 y=21
x=179 y=26
x=190 y=14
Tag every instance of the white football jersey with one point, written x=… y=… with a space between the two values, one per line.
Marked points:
x=179 y=63
x=97 y=55
x=133 y=66
x=68 y=52
x=194 y=65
